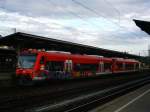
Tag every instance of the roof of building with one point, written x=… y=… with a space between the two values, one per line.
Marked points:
x=143 y=25
x=21 y=40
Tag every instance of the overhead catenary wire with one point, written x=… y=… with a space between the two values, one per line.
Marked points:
x=117 y=11
x=87 y=22
x=84 y=20
x=93 y=11
x=90 y=9
x=84 y=6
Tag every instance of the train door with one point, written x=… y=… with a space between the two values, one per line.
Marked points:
x=139 y=67
x=68 y=68
x=42 y=63
x=114 y=65
x=124 y=66
x=101 y=67
x=68 y=65
x=134 y=67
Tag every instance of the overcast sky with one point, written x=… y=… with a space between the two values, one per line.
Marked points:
x=102 y=23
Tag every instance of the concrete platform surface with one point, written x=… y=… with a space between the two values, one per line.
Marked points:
x=135 y=101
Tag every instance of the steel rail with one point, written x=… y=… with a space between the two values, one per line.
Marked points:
x=86 y=101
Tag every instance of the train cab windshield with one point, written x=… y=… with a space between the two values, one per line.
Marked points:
x=26 y=61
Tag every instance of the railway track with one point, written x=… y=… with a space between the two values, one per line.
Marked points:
x=26 y=100
x=86 y=102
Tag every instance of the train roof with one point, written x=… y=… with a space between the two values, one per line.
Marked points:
x=70 y=55
x=63 y=55
x=59 y=55
x=76 y=58
x=125 y=60
x=131 y=60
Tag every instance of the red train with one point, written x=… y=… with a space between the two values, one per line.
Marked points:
x=36 y=65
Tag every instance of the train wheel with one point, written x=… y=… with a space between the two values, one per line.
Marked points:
x=25 y=81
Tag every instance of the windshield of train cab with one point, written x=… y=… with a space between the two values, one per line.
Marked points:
x=26 y=61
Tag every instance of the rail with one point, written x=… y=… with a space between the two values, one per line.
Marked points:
x=87 y=102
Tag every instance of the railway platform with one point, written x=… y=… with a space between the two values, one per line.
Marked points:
x=135 y=101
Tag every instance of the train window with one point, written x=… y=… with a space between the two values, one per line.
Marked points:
x=107 y=66
x=120 y=66
x=77 y=67
x=137 y=66
x=129 y=66
x=68 y=65
x=85 y=67
x=26 y=61
x=55 y=66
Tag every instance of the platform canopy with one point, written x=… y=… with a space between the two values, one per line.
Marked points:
x=8 y=51
x=21 y=40
x=143 y=25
